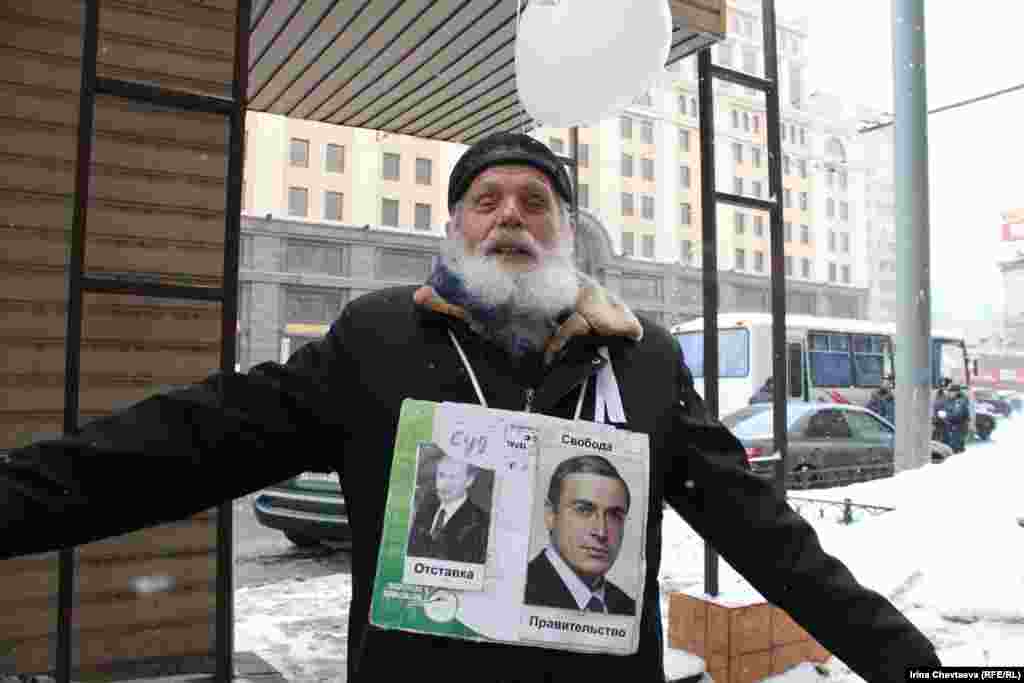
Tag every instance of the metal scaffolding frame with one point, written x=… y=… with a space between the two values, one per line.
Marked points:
x=79 y=283
x=710 y=198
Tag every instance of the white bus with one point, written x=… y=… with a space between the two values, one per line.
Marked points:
x=827 y=359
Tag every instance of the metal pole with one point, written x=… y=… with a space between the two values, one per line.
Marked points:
x=224 y=644
x=913 y=357
x=777 y=246
x=73 y=338
x=709 y=245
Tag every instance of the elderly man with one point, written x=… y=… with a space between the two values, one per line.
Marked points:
x=585 y=514
x=504 y=321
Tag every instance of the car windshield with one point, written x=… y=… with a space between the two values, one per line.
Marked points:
x=758 y=420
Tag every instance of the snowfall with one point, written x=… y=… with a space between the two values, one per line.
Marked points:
x=950 y=556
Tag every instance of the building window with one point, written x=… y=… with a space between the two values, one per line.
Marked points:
x=787 y=231
x=737 y=152
x=755 y=156
x=746 y=121
x=844 y=180
x=803 y=201
x=831 y=272
x=805 y=234
x=735 y=119
x=803 y=136
x=684 y=139
x=311 y=257
x=757 y=123
x=759 y=261
x=682 y=105
x=740 y=219
x=787 y=198
x=846 y=274
x=647 y=207
x=626 y=127
x=785 y=164
x=684 y=176
x=789 y=266
x=389 y=170
x=737 y=185
x=627 y=165
x=311 y=305
x=693 y=107
x=647 y=169
x=648 y=246
x=298 y=201
x=831 y=240
x=583 y=152
x=759 y=226
x=334 y=203
x=299 y=153
x=422 y=221
x=687 y=252
x=556 y=145
x=830 y=207
x=684 y=213
x=389 y=212
x=844 y=211
x=627 y=204
x=830 y=178
x=755 y=188
x=334 y=159
x=741 y=259
x=424 y=171
x=647 y=131
x=844 y=240
x=805 y=268
x=792 y=133
x=627 y=244
x=803 y=168
x=583 y=195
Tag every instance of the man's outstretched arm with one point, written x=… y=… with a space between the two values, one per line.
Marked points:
x=777 y=551
x=176 y=454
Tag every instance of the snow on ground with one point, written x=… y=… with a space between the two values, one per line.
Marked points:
x=951 y=557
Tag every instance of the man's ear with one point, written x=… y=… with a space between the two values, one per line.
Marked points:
x=549 y=515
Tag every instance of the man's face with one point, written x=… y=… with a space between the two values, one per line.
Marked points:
x=452 y=479
x=587 y=526
x=511 y=214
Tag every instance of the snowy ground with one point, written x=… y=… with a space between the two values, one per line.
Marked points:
x=951 y=557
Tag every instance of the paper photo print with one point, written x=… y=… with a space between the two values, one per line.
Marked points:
x=584 y=553
x=450 y=525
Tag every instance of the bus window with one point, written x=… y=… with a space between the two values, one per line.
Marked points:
x=869 y=359
x=831 y=365
x=796 y=371
x=733 y=352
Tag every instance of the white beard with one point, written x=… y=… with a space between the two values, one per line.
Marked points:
x=532 y=299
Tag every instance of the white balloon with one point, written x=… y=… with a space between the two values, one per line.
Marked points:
x=579 y=61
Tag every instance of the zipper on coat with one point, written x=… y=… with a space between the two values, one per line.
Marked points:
x=530 y=391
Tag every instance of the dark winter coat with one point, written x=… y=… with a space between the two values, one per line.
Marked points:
x=335 y=406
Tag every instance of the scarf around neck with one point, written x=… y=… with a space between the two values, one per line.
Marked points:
x=597 y=312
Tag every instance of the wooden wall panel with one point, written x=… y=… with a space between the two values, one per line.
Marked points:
x=157 y=207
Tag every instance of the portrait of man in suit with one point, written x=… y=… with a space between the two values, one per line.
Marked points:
x=448 y=524
x=585 y=514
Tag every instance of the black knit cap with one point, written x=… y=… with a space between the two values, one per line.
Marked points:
x=506 y=148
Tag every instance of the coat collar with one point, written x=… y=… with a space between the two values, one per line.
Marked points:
x=598 y=313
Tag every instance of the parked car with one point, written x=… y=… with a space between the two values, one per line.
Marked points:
x=1000 y=405
x=821 y=436
x=309 y=509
